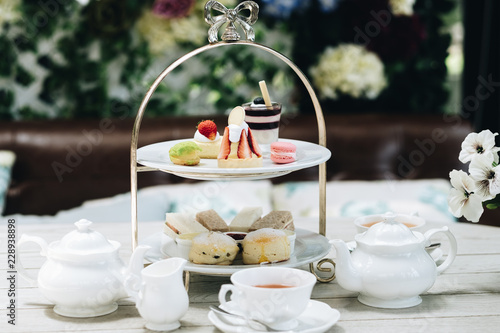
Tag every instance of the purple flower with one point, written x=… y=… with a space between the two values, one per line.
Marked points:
x=172 y=8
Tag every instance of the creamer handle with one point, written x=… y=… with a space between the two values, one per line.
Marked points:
x=452 y=253
x=20 y=268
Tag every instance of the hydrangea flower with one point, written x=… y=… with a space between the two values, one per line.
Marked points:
x=351 y=70
x=9 y=11
x=402 y=7
x=462 y=200
x=83 y=2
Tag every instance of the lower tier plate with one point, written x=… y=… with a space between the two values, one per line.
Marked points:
x=309 y=247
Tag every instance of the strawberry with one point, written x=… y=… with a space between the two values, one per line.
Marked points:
x=253 y=144
x=225 y=146
x=244 y=150
x=208 y=129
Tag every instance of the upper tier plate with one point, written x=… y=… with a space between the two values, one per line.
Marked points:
x=156 y=156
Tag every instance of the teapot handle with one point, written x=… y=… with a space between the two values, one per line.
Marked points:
x=20 y=268
x=452 y=253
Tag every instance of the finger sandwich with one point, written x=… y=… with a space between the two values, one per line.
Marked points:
x=245 y=218
x=179 y=223
x=212 y=221
x=277 y=219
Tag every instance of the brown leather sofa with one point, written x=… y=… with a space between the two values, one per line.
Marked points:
x=62 y=163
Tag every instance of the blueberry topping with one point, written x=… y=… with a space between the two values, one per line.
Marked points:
x=258 y=100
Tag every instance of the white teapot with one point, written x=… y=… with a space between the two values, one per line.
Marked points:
x=390 y=267
x=83 y=275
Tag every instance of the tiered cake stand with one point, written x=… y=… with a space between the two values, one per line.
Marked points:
x=151 y=158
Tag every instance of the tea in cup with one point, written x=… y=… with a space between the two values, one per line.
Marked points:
x=414 y=222
x=275 y=296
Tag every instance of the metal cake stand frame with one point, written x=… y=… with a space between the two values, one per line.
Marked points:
x=231 y=18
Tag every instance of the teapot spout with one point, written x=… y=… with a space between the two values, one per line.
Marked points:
x=347 y=275
x=132 y=275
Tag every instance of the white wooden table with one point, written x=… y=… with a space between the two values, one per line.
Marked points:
x=466 y=298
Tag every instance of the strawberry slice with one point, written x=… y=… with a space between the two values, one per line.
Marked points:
x=253 y=144
x=225 y=146
x=244 y=150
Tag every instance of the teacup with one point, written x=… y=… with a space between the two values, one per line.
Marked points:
x=275 y=296
x=414 y=222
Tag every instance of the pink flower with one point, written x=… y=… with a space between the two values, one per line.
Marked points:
x=172 y=8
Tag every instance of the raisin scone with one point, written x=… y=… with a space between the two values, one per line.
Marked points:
x=213 y=248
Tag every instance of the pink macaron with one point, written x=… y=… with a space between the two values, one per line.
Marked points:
x=283 y=152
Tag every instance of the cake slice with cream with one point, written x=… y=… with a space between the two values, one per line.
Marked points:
x=239 y=149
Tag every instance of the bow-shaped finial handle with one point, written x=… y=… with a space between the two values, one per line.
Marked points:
x=231 y=17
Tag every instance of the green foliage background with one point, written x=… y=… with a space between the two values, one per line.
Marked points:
x=75 y=61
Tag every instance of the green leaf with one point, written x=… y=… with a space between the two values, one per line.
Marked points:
x=23 y=77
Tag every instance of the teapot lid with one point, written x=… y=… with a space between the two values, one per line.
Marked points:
x=388 y=232
x=83 y=242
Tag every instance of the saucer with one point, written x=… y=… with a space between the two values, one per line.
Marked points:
x=318 y=317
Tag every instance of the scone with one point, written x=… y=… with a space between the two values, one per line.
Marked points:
x=185 y=153
x=277 y=219
x=208 y=139
x=212 y=221
x=213 y=248
x=266 y=245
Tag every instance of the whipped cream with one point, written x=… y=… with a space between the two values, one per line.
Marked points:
x=235 y=131
x=253 y=105
x=201 y=138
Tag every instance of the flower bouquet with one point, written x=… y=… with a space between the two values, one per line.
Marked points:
x=473 y=191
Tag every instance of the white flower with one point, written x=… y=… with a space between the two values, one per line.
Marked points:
x=402 y=7
x=351 y=70
x=83 y=2
x=9 y=11
x=486 y=176
x=7 y=158
x=479 y=144
x=462 y=200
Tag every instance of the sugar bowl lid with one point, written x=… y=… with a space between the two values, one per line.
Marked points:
x=83 y=244
x=389 y=232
